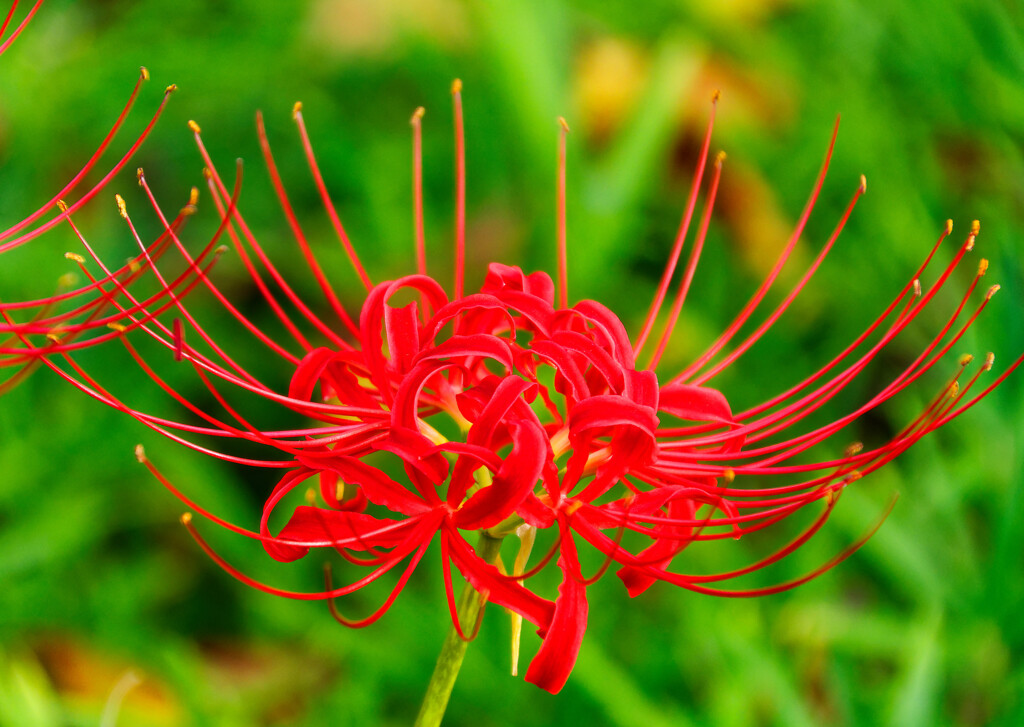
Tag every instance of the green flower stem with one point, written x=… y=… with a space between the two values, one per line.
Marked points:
x=454 y=650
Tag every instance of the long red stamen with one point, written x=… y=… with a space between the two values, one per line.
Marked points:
x=563 y=275
x=684 y=226
x=460 y=189
x=326 y=198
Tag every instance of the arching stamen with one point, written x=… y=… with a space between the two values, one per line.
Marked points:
x=325 y=197
x=50 y=224
x=691 y=265
x=417 y=189
x=563 y=276
x=460 y=189
x=762 y=290
x=784 y=305
x=684 y=226
x=17 y=31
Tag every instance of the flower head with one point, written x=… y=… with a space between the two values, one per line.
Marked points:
x=508 y=411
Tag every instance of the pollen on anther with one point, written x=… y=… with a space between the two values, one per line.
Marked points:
x=982 y=266
x=715 y=95
x=990 y=358
x=975 y=227
x=172 y=88
x=564 y=124
x=53 y=337
x=140 y=453
x=117 y=327
x=719 y=158
x=917 y=287
x=193 y=196
x=296 y=109
x=457 y=86
x=966 y=359
x=992 y=291
x=207 y=175
x=194 y=126
x=417 y=114
x=145 y=73
x=62 y=205
x=139 y=174
x=853 y=449
x=863 y=184
x=74 y=256
x=954 y=389
x=729 y=475
x=310 y=496
x=186 y=519
x=970 y=242
x=949 y=227
x=121 y=206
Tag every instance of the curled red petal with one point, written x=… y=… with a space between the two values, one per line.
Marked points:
x=557 y=655
x=519 y=473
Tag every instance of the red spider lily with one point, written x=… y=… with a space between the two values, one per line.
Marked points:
x=551 y=424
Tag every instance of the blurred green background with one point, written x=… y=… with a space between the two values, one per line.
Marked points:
x=921 y=627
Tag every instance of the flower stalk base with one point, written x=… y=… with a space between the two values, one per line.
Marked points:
x=449 y=661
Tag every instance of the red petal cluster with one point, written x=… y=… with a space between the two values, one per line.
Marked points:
x=506 y=412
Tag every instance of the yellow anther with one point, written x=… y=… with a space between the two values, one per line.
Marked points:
x=719 y=158
x=62 y=205
x=139 y=174
x=186 y=518
x=221 y=249
x=854 y=449
x=133 y=265
x=67 y=280
x=457 y=86
x=992 y=291
x=310 y=496
x=140 y=453
x=573 y=507
x=145 y=73
x=970 y=243
x=194 y=126
x=729 y=475
x=990 y=358
x=832 y=496
x=982 y=266
x=954 y=389
x=193 y=196
x=121 y=206
x=188 y=210
x=853 y=476
x=417 y=114
x=74 y=256
x=715 y=95
x=296 y=109
x=863 y=184
x=917 y=287
x=120 y=329
x=53 y=337
x=975 y=227
x=172 y=88
x=564 y=124
x=949 y=227
x=966 y=359
x=207 y=174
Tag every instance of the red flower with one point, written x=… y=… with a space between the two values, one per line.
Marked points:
x=508 y=410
